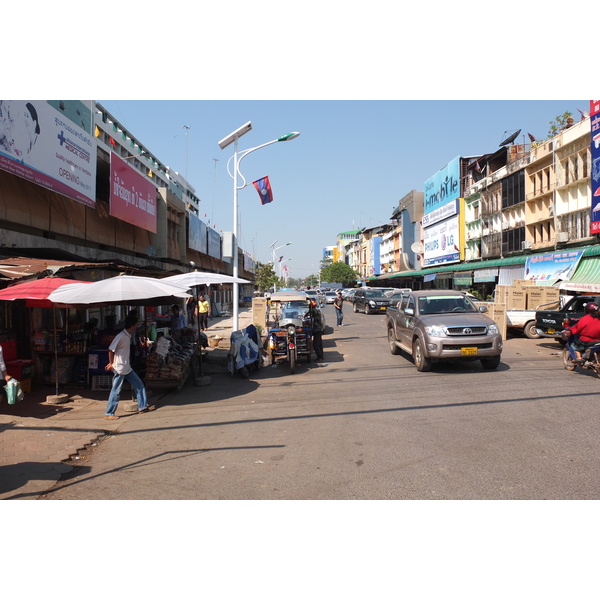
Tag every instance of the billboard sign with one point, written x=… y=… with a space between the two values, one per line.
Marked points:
x=132 y=196
x=197 y=233
x=595 y=175
x=443 y=187
x=41 y=144
x=214 y=243
x=442 y=243
x=554 y=266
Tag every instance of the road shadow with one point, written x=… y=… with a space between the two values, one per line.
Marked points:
x=14 y=477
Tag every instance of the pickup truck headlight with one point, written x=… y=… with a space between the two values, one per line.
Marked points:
x=435 y=331
x=493 y=329
x=372 y=304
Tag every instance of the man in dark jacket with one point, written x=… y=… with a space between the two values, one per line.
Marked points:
x=316 y=319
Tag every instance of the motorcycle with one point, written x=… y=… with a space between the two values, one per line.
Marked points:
x=289 y=331
x=590 y=359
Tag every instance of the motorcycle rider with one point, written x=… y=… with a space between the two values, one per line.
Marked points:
x=586 y=330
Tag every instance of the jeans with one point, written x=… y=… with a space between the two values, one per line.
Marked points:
x=340 y=315
x=318 y=344
x=136 y=384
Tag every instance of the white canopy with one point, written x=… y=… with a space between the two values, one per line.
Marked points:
x=122 y=288
x=199 y=278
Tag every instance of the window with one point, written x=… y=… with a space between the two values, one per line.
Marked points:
x=513 y=189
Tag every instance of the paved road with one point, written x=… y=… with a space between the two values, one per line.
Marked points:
x=365 y=426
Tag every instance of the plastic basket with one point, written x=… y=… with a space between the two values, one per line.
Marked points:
x=101 y=382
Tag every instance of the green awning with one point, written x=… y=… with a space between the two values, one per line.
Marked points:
x=586 y=278
x=588 y=251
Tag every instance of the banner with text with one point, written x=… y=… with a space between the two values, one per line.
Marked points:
x=40 y=144
x=595 y=155
x=132 y=196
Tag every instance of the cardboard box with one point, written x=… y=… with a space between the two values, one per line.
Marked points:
x=259 y=312
x=517 y=299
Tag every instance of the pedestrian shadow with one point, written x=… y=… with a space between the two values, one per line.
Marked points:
x=14 y=477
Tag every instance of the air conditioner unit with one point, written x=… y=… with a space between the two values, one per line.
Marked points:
x=562 y=236
x=525 y=245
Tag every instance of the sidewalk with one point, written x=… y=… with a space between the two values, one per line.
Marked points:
x=39 y=440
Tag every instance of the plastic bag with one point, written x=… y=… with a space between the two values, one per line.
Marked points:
x=14 y=393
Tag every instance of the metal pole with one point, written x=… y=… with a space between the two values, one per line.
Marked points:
x=235 y=237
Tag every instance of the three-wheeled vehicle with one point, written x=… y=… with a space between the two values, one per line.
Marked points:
x=290 y=333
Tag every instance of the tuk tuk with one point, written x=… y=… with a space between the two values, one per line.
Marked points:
x=290 y=332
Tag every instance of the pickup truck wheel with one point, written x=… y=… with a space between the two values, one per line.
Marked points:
x=421 y=361
x=392 y=342
x=490 y=363
x=530 y=331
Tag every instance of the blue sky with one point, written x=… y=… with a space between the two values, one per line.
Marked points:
x=350 y=166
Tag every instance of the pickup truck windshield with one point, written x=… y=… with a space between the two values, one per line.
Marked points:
x=431 y=305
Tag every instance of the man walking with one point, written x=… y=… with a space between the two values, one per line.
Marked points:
x=317 y=329
x=119 y=353
x=203 y=313
x=337 y=303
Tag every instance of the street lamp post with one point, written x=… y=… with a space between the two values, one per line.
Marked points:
x=233 y=138
x=274 y=257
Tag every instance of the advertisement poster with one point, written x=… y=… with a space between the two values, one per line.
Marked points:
x=443 y=187
x=214 y=243
x=555 y=266
x=41 y=144
x=132 y=196
x=595 y=175
x=442 y=243
x=197 y=233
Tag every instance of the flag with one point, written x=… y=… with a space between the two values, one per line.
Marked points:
x=280 y=258
x=97 y=132
x=263 y=187
x=113 y=142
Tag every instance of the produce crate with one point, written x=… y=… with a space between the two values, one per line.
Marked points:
x=102 y=382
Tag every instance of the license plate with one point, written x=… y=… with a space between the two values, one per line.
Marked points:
x=468 y=351
x=551 y=330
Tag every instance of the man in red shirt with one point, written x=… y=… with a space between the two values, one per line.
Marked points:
x=587 y=329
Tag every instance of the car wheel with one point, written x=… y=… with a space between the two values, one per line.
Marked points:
x=490 y=363
x=421 y=361
x=392 y=342
x=530 y=331
x=355 y=308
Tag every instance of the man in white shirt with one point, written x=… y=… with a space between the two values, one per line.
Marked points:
x=119 y=354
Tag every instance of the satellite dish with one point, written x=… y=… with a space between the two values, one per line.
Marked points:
x=151 y=251
x=510 y=139
x=417 y=247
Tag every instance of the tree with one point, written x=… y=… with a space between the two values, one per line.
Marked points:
x=561 y=122
x=339 y=272
x=265 y=276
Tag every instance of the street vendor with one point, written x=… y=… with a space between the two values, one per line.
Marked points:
x=177 y=323
x=5 y=376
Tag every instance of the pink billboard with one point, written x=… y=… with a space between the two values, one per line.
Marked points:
x=132 y=197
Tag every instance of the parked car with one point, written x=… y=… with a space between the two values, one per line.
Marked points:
x=551 y=323
x=370 y=300
x=437 y=325
x=330 y=297
x=316 y=295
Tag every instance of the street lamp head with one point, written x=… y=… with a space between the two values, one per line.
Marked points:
x=288 y=136
x=238 y=133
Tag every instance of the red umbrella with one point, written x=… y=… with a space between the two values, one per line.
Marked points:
x=36 y=292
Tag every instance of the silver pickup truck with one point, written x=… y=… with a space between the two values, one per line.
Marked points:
x=438 y=325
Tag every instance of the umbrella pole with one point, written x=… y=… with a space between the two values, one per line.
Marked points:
x=55 y=350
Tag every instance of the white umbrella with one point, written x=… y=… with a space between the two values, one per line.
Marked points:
x=123 y=288
x=199 y=278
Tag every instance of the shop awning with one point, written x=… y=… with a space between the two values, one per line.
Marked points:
x=586 y=278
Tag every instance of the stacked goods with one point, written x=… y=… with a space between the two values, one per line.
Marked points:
x=154 y=363
x=173 y=364
x=525 y=295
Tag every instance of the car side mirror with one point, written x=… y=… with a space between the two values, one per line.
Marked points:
x=483 y=309
x=409 y=311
